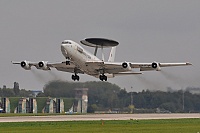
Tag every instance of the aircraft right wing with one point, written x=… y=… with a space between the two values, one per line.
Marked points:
x=44 y=65
x=66 y=68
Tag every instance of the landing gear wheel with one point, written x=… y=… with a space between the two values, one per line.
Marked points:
x=75 y=77
x=103 y=77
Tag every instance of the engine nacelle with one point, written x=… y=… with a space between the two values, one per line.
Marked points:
x=126 y=66
x=25 y=65
x=43 y=65
x=156 y=66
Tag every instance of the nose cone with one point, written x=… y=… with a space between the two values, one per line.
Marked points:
x=62 y=45
x=64 y=50
x=66 y=47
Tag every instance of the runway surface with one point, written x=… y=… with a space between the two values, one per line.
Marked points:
x=97 y=117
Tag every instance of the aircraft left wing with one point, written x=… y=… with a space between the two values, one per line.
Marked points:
x=155 y=65
x=121 y=67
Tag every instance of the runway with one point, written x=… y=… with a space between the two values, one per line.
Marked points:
x=91 y=117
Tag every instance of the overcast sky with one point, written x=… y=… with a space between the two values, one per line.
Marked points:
x=147 y=30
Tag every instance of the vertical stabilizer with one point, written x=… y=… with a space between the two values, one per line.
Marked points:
x=112 y=55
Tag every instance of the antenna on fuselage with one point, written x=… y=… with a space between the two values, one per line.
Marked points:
x=99 y=43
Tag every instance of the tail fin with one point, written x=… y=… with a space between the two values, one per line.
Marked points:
x=112 y=54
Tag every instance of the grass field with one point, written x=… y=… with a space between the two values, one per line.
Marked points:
x=114 y=126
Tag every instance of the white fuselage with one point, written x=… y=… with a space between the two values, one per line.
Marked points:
x=79 y=56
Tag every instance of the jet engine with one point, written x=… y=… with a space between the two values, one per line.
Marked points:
x=43 y=65
x=25 y=65
x=126 y=66
x=156 y=66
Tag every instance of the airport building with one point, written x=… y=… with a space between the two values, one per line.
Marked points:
x=30 y=105
x=5 y=105
x=54 y=106
x=59 y=105
x=26 y=105
x=81 y=103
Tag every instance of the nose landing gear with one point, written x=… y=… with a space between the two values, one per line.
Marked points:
x=67 y=61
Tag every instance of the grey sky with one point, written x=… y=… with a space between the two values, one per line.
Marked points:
x=148 y=30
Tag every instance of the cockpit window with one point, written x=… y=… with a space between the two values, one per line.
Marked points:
x=66 y=42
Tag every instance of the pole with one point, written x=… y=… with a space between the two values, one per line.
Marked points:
x=183 y=101
x=131 y=100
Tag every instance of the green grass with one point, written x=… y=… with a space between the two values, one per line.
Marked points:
x=41 y=102
x=127 y=126
x=68 y=102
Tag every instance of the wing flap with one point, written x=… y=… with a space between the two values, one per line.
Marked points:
x=140 y=65
x=65 y=68
x=71 y=70
x=127 y=73
x=61 y=65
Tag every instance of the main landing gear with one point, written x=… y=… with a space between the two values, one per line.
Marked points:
x=103 y=77
x=75 y=77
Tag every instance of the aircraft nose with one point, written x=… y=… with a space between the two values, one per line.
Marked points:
x=63 y=45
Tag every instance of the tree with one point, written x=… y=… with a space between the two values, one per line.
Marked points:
x=41 y=94
x=109 y=96
x=16 y=88
x=6 y=92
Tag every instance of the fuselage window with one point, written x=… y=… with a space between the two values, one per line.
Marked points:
x=66 y=42
x=80 y=49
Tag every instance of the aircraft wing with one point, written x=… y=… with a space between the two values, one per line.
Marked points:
x=65 y=68
x=174 y=64
x=140 y=65
x=156 y=66
x=44 y=65
x=119 y=68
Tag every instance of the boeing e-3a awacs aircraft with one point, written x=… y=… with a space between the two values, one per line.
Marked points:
x=80 y=61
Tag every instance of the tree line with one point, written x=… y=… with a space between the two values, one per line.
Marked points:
x=104 y=95
x=14 y=92
x=107 y=96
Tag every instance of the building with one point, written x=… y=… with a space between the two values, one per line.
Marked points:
x=81 y=104
x=54 y=106
x=27 y=105
x=5 y=105
x=59 y=105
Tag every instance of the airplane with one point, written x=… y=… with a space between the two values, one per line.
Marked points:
x=80 y=61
